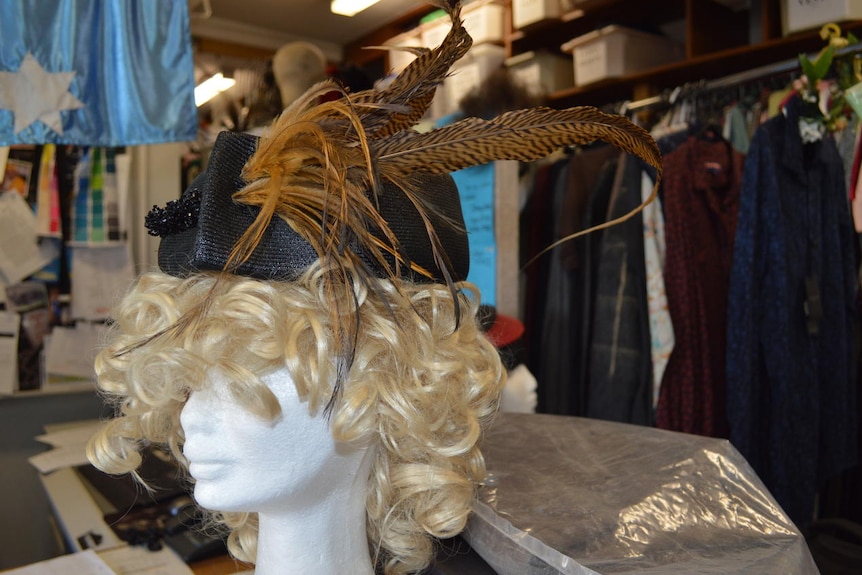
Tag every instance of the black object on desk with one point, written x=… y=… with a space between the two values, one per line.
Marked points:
x=167 y=515
x=184 y=533
x=157 y=469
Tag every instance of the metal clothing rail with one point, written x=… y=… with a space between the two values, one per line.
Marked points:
x=731 y=80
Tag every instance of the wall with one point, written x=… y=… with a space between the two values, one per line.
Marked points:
x=156 y=177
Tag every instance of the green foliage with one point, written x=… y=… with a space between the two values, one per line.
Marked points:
x=842 y=71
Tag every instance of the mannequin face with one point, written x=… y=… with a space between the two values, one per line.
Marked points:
x=241 y=462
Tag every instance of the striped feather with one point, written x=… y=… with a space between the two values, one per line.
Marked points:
x=524 y=135
x=415 y=86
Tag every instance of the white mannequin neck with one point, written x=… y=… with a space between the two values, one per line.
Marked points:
x=308 y=490
x=327 y=537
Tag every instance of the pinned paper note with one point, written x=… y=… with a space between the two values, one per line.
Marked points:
x=4 y=155
x=476 y=187
x=100 y=276
x=71 y=351
x=19 y=243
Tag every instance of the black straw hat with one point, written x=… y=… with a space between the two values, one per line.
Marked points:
x=199 y=231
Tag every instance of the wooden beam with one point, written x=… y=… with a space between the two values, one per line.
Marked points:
x=211 y=46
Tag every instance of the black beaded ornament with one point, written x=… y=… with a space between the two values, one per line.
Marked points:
x=177 y=215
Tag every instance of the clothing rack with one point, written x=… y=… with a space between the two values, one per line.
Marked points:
x=730 y=80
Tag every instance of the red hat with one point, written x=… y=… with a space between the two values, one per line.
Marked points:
x=501 y=330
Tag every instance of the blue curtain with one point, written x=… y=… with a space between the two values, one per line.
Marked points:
x=96 y=72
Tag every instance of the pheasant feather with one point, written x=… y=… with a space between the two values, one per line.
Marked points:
x=524 y=135
x=413 y=89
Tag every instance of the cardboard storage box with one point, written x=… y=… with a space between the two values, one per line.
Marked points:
x=469 y=72
x=542 y=72
x=399 y=59
x=797 y=15
x=484 y=20
x=616 y=51
x=435 y=31
x=526 y=12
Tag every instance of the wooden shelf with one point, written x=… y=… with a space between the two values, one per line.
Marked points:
x=705 y=67
x=716 y=42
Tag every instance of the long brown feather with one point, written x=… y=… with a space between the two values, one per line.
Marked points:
x=523 y=135
x=414 y=87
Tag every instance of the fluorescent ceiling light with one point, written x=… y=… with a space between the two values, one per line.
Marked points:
x=212 y=87
x=350 y=7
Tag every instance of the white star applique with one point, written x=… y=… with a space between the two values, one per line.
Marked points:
x=35 y=94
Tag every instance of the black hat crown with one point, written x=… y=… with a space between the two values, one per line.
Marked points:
x=200 y=230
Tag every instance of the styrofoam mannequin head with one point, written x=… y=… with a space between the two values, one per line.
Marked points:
x=289 y=461
x=519 y=393
x=291 y=471
x=297 y=66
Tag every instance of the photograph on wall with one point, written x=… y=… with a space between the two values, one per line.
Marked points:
x=17 y=177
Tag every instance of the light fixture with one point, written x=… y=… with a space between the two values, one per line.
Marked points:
x=350 y=7
x=212 y=87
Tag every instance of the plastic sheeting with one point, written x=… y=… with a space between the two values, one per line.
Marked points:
x=574 y=496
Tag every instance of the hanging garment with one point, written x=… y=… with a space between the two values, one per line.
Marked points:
x=620 y=374
x=655 y=255
x=791 y=397
x=535 y=235
x=585 y=269
x=556 y=350
x=558 y=377
x=846 y=140
x=701 y=194
x=735 y=129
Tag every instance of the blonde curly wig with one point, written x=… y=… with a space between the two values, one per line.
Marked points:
x=422 y=385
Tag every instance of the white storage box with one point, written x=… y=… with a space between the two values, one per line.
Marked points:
x=399 y=59
x=542 y=72
x=439 y=107
x=526 y=12
x=484 y=20
x=469 y=72
x=435 y=31
x=806 y=14
x=616 y=51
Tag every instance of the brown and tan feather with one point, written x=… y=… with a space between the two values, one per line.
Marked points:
x=411 y=92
